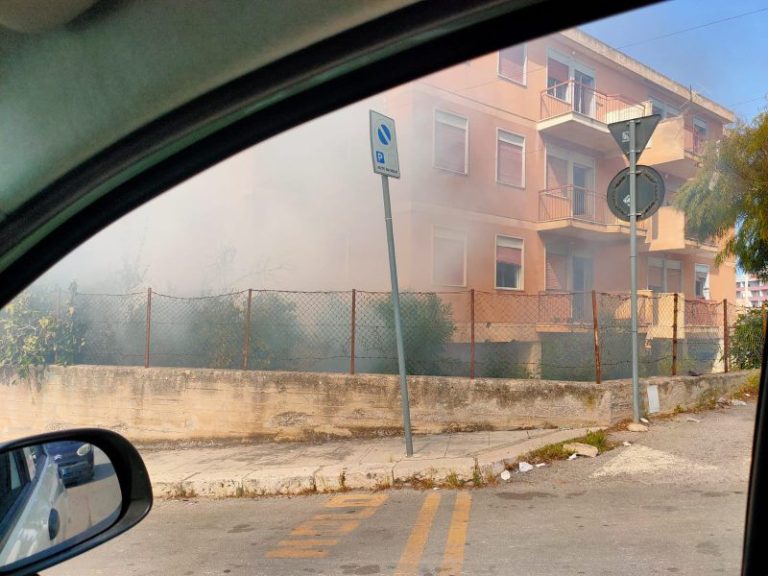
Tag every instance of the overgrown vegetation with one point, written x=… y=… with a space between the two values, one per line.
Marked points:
x=749 y=389
x=746 y=344
x=33 y=332
x=556 y=451
x=427 y=328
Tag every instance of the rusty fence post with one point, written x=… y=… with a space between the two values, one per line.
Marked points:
x=726 y=339
x=148 y=334
x=247 y=330
x=596 y=332
x=472 y=334
x=353 y=335
x=674 y=333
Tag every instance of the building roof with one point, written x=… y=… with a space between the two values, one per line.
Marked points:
x=620 y=59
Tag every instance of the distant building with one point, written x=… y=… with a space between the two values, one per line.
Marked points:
x=751 y=291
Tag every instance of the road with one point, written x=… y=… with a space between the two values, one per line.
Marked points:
x=672 y=503
x=96 y=500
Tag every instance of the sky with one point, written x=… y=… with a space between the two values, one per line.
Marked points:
x=718 y=48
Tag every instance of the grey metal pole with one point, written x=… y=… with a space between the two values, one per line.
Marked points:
x=633 y=267
x=398 y=325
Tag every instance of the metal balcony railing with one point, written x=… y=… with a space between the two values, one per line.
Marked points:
x=572 y=202
x=578 y=203
x=575 y=97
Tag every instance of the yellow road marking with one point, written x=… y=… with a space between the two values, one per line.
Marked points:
x=351 y=515
x=336 y=523
x=453 y=559
x=315 y=527
x=414 y=548
x=307 y=543
x=356 y=500
x=296 y=553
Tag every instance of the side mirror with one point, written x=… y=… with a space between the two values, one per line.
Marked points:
x=64 y=493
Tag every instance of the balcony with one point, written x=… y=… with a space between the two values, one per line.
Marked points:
x=674 y=148
x=580 y=114
x=669 y=234
x=580 y=213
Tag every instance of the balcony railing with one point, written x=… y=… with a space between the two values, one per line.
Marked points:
x=575 y=97
x=578 y=203
x=572 y=202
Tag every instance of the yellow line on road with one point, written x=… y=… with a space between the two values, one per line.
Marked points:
x=307 y=543
x=355 y=500
x=325 y=528
x=296 y=553
x=337 y=522
x=453 y=559
x=414 y=548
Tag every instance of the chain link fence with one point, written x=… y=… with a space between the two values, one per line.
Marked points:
x=584 y=336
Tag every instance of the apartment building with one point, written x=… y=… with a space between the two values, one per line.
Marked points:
x=509 y=157
x=751 y=291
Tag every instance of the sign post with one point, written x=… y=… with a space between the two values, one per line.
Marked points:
x=386 y=163
x=633 y=268
x=632 y=136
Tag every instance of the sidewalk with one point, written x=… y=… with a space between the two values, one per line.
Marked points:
x=296 y=468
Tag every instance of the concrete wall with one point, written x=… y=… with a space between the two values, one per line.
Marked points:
x=166 y=404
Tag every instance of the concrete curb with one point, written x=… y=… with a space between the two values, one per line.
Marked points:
x=309 y=479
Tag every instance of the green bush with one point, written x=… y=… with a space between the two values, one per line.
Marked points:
x=32 y=333
x=427 y=327
x=746 y=344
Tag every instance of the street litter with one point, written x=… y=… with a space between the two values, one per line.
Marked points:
x=506 y=475
x=627 y=443
x=540 y=465
x=524 y=467
x=738 y=403
x=692 y=419
x=581 y=449
x=573 y=456
x=645 y=420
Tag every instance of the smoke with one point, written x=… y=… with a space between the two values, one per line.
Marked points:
x=291 y=213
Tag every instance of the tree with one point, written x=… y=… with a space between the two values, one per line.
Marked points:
x=731 y=191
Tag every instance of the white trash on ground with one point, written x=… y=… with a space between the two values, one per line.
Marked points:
x=573 y=457
x=524 y=467
x=506 y=475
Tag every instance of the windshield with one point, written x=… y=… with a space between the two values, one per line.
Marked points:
x=566 y=382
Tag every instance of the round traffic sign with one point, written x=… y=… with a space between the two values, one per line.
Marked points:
x=649 y=193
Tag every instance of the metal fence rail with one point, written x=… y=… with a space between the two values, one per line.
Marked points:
x=503 y=334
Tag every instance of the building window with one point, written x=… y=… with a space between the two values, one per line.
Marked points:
x=509 y=263
x=701 y=281
x=449 y=258
x=738 y=295
x=558 y=75
x=512 y=63
x=510 y=159
x=665 y=275
x=699 y=134
x=451 y=142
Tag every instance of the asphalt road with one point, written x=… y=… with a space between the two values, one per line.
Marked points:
x=672 y=503
x=96 y=500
